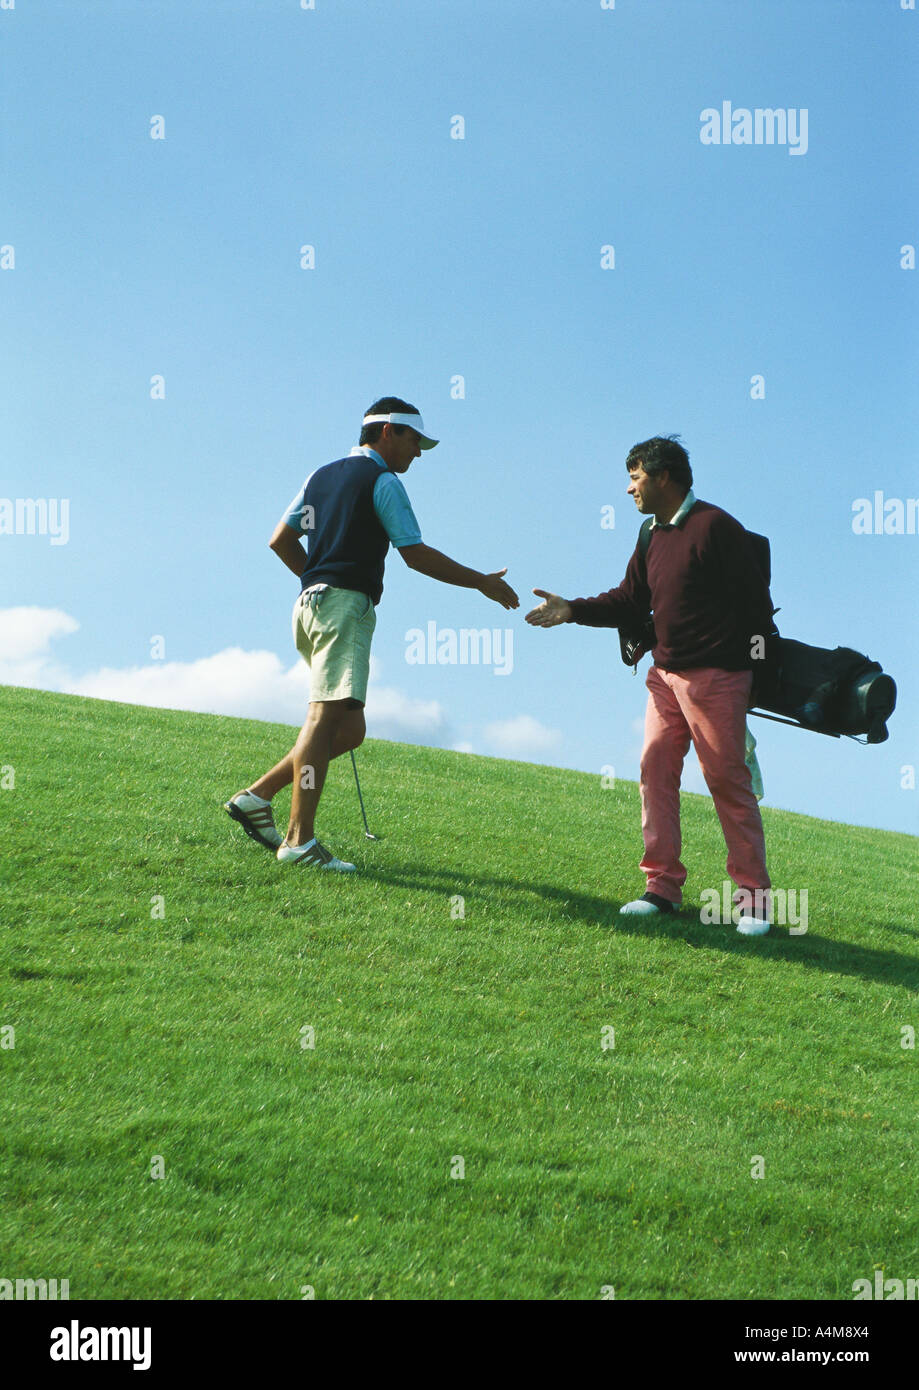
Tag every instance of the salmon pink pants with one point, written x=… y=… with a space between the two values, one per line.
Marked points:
x=708 y=707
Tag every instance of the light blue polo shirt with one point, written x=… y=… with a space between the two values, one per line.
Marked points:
x=390 y=502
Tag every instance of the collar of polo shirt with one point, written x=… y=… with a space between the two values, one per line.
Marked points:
x=681 y=513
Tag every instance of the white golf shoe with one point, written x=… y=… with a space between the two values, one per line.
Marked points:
x=314 y=853
x=748 y=925
x=253 y=813
x=650 y=905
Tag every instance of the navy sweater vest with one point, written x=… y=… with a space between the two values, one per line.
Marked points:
x=347 y=544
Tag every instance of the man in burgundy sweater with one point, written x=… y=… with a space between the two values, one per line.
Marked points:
x=709 y=600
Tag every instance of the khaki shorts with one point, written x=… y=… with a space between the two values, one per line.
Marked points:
x=333 y=629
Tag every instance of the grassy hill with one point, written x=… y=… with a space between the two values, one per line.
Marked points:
x=146 y=1042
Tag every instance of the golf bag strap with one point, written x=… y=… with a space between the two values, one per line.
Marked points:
x=795 y=724
x=644 y=539
x=633 y=643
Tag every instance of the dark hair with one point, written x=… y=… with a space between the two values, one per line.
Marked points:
x=662 y=454
x=386 y=405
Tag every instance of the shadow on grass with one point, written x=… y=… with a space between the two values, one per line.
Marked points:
x=816 y=952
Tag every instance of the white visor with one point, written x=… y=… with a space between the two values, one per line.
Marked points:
x=414 y=422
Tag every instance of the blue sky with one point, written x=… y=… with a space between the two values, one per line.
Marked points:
x=438 y=258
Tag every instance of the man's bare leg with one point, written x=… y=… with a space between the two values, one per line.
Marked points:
x=330 y=727
x=281 y=775
x=349 y=734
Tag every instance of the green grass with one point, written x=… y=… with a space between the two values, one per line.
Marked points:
x=180 y=1037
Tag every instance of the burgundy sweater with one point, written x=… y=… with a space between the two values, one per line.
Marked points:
x=704 y=588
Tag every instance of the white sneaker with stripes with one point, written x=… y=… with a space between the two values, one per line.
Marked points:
x=314 y=854
x=253 y=813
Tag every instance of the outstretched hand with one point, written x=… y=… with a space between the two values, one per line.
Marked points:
x=494 y=587
x=550 y=612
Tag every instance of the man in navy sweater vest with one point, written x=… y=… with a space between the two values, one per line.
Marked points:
x=709 y=600
x=351 y=510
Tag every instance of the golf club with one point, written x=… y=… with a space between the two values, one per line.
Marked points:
x=367 y=833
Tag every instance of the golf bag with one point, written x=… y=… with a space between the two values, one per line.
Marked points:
x=834 y=692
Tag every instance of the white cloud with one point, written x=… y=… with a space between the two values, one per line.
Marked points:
x=250 y=684
x=26 y=635
x=28 y=632
x=390 y=714
x=521 y=736
x=247 y=684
